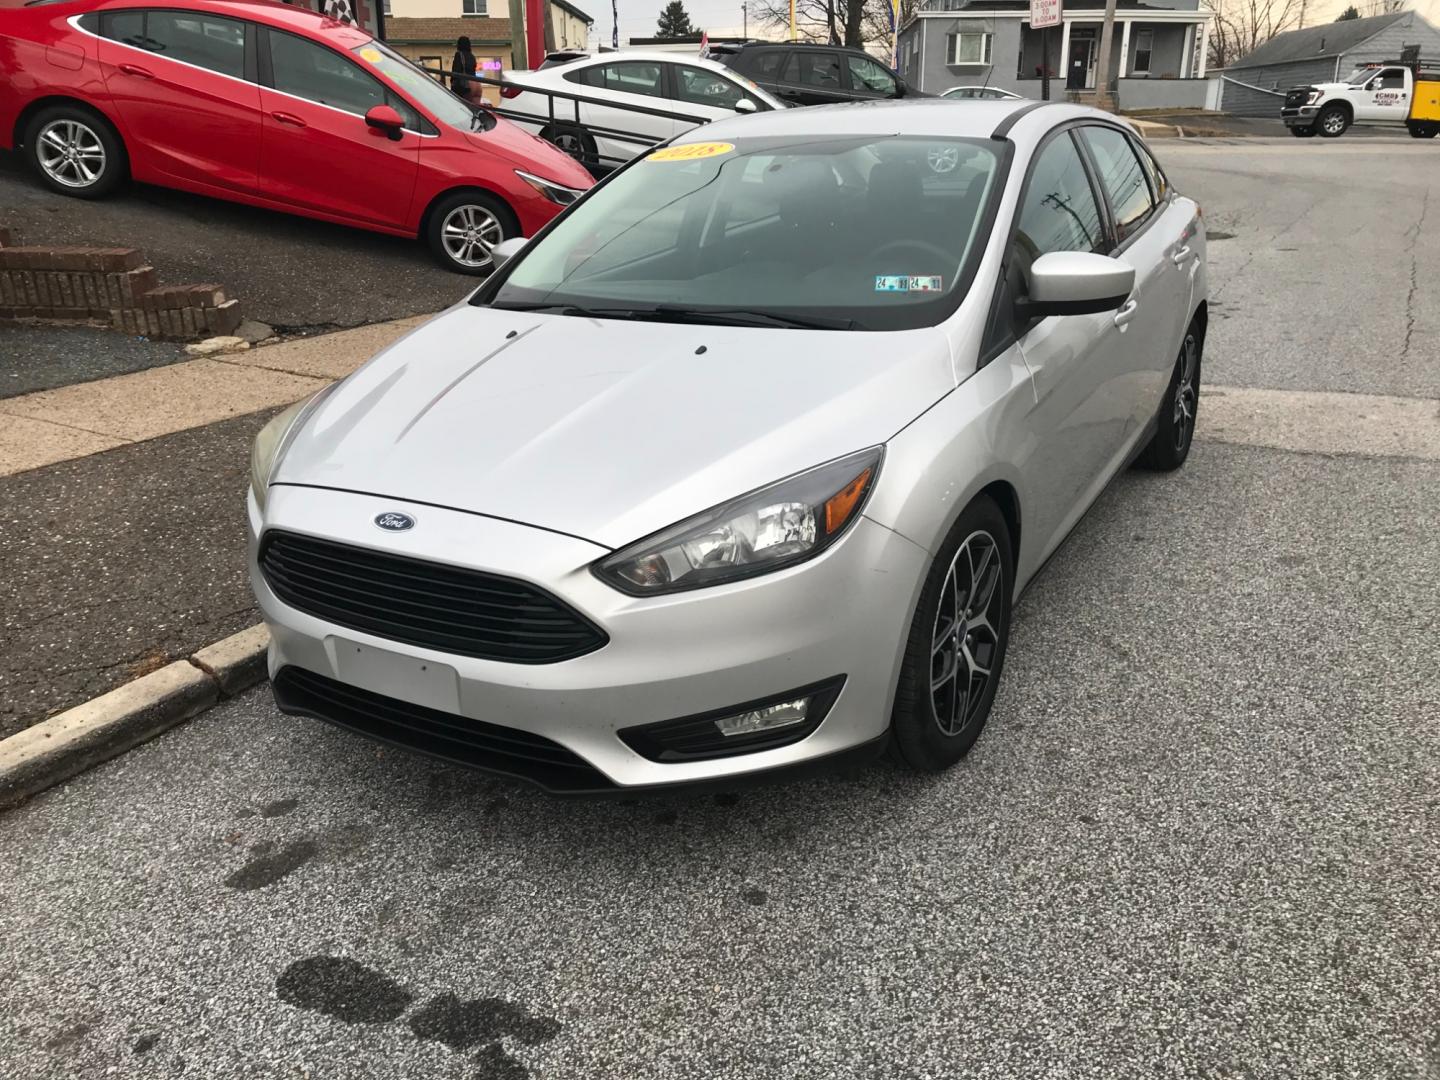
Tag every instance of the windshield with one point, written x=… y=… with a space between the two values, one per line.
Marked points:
x=1362 y=75
x=423 y=89
x=875 y=233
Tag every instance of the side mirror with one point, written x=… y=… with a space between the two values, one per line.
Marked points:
x=744 y=105
x=1075 y=283
x=506 y=250
x=384 y=118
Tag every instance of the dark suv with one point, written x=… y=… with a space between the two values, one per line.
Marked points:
x=805 y=74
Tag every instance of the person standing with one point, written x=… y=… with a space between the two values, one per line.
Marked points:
x=462 y=65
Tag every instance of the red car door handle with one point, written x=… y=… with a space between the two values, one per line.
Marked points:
x=288 y=118
x=138 y=72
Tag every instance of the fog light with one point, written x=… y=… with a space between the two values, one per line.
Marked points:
x=766 y=719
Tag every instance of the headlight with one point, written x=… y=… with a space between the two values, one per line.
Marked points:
x=559 y=194
x=266 y=450
x=1314 y=97
x=777 y=526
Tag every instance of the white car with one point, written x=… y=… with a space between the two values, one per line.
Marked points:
x=689 y=87
x=984 y=93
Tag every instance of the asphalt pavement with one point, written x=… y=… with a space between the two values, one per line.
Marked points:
x=296 y=274
x=1197 y=839
x=40 y=357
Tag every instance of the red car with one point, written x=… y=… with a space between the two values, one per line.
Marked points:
x=274 y=106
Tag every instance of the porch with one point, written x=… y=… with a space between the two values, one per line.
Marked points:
x=1142 y=51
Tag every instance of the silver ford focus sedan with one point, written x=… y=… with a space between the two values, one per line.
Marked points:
x=741 y=463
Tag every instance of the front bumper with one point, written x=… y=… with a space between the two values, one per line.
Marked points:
x=845 y=613
x=1304 y=116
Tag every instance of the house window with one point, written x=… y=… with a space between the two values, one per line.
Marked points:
x=472 y=7
x=967 y=49
x=433 y=66
x=385 y=7
x=1144 y=42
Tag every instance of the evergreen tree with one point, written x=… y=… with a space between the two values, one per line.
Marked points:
x=674 y=21
x=1349 y=13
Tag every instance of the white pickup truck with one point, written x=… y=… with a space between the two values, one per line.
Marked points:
x=1396 y=92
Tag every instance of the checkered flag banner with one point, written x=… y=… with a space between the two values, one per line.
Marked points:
x=340 y=11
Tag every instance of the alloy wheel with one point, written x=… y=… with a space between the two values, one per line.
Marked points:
x=71 y=153
x=1333 y=122
x=469 y=232
x=1184 y=415
x=966 y=638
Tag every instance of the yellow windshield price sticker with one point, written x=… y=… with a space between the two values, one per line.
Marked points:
x=692 y=151
x=373 y=55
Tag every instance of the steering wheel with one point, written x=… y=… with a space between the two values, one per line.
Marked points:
x=946 y=259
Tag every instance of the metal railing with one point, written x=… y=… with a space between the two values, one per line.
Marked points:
x=550 y=119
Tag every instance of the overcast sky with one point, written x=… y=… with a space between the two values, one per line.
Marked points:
x=638 y=17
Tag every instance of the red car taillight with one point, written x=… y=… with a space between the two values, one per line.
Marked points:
x=510 y=91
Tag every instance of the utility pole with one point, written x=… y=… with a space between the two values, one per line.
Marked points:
x=1103 y=100
x=518 y=60
x=745 y=21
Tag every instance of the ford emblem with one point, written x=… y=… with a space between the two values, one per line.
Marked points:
x=391 y=521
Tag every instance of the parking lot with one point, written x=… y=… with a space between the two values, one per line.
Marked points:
x=1199 y=838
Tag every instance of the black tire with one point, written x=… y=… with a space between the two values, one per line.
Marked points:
x=1175 y=429
x=485 y=219
x=575 y=141
x=922 y=738
x=64 y=143
x=1333 y=121
x=1419 y=130
x=1303 y=132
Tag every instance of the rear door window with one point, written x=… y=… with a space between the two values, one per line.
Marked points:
x=818 y=69
x=1122 y=177
x=207 y=41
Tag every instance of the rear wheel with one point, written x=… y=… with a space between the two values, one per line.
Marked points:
x=575 y=141
x=75 y=151
x=1303 y=132
x=464 y=228
x=1421 y=130
x=1170 y=445
x=1333 y=121
x=956 y=648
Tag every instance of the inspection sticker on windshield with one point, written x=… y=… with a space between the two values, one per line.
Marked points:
x=692 y=151
x=373 y=55
x=906 y=283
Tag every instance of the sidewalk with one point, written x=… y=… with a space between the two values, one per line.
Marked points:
x=52 y=426
x=122 y=515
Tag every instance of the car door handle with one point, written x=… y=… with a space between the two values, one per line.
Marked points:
x=1126 y=313
x=288 y=118
x=138 y=72
x=1181 y=256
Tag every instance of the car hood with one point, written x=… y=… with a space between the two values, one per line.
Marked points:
x=531 y=153
x=603 y=429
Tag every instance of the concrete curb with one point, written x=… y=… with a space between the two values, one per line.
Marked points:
x=105 y=727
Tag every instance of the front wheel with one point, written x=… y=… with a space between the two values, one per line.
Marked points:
x=956 y=648
x=1333 y=121
x=1170 y=445
x=75 y=151
x=464 y=228
x=1306 y=131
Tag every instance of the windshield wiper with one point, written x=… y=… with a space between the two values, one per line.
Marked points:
x=681 y=314
x=750 y=317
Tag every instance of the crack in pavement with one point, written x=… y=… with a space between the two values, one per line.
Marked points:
x=1414 y=234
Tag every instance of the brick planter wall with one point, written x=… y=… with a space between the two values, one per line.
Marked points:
x=110 y=284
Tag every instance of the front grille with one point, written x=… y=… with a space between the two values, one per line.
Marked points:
x=474 y=743
x=449 y=608
x=1297 y=97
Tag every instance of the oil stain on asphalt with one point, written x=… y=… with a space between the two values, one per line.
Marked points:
x=355 y=994
x=268 y=868
x=344 y=989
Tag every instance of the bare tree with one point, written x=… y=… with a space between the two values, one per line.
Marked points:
x=1242 y=26
x=835 y=22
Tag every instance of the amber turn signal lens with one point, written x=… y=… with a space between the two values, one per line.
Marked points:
x=840 y=506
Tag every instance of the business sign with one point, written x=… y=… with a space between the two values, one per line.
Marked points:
x=1044 y=13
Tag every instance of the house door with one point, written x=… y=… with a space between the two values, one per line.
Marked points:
x=1082 y=50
